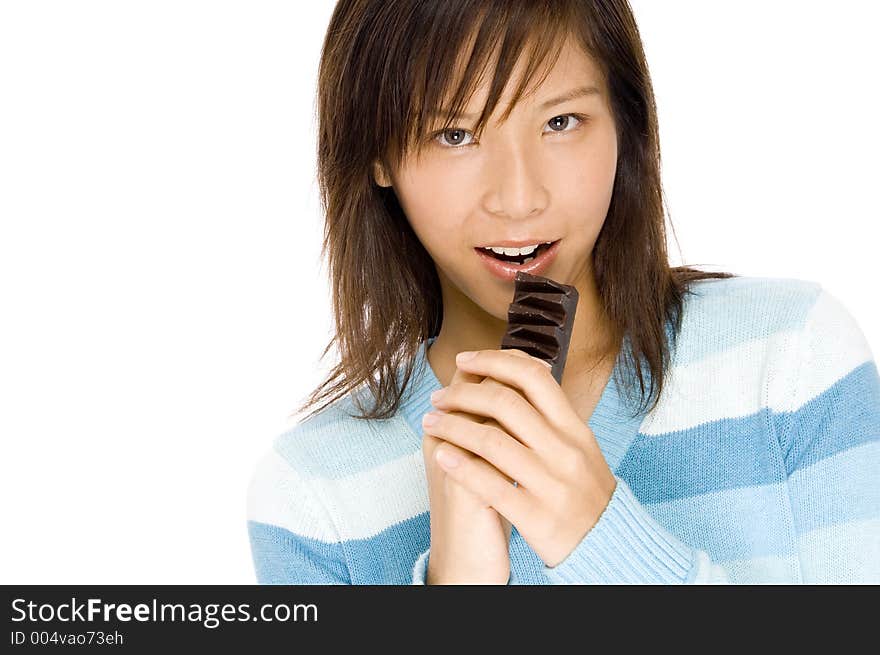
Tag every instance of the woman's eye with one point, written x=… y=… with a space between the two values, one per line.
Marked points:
x=557 y=123
x=566 y=122
x=456 y=140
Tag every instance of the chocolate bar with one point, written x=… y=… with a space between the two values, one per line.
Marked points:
x=540 y=319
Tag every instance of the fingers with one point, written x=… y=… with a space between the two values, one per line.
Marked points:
x=490 y=442
x=488 y=483
x=528 y=374
x=503 y=404
x=464 y=376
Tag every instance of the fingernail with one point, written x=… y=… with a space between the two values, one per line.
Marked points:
x=465 y=356
x=447 y=460
x=430 y=418
x=437 y=395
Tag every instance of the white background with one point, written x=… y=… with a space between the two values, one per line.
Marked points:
x=163 y=301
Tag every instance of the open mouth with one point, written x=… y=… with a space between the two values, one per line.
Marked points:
x=519 y=260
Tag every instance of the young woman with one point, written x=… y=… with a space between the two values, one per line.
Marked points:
x=708 y=427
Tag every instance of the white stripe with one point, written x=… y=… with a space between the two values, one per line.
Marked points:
x=368 y=502
x=834 y=344
x=707 y=571
x=727 y=384
x=766 y=569
x=361 y=505
x=781 y=371
x=279 y=496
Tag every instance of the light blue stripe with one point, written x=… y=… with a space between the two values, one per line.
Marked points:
x=722 y=313
x=338 y=446
x=848 y=553
x=838 y=489
x=723 y=523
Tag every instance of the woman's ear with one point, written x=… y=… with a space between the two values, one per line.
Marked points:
x=380 y=175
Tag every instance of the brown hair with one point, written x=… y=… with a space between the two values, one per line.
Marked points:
x=385 y=64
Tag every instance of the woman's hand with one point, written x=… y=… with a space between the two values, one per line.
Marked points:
x=564 y=483
x=469 y=539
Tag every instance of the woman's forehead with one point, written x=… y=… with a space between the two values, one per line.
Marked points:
x=573 y=69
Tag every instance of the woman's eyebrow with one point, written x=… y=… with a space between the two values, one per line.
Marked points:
x=579 y=92
x=570 y=95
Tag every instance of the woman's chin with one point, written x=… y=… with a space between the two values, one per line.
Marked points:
x=498 y=311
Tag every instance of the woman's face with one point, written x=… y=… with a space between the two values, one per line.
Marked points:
x=544 y=175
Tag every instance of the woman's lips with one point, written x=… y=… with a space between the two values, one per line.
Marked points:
x=507 y=270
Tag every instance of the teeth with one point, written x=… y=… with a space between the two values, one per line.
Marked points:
x=514 y=252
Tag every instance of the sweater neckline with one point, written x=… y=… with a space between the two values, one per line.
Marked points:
x=611 y=422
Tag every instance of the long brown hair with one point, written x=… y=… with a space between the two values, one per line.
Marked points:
x=385 y=64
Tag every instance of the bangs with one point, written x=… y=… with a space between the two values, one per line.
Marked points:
x=468 y=39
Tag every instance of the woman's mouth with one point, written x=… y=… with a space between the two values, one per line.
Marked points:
x=505 y=266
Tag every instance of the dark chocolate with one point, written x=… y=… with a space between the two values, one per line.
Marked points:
x=540 y=319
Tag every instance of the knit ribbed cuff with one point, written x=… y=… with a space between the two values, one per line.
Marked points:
x=626 y=546
x=420 y=569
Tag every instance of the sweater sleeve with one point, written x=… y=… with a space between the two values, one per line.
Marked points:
x=829 y=435
x=292 y=539
x=628 y=546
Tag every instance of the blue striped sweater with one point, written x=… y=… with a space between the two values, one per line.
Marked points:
x=760 y=464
